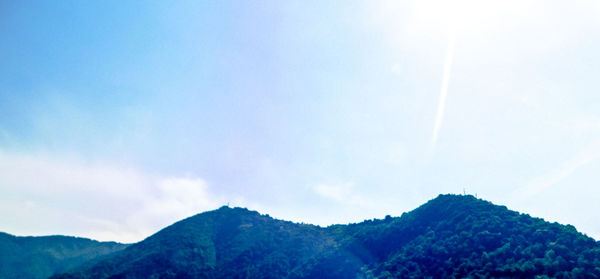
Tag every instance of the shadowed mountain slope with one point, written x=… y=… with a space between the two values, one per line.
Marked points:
x=41 y=257
x=451 y=236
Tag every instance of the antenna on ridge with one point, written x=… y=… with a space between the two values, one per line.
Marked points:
x=464 y=192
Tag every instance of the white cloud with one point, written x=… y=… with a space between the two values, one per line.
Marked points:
x=43 y=195
x=344 y=194
x=334 y=192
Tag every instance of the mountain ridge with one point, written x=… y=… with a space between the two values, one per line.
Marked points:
x=43 y=256
x=451 y=236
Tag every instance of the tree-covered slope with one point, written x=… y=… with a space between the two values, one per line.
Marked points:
x=226 y=243
x=41 y=257
x=461 y=236
x=448 y=237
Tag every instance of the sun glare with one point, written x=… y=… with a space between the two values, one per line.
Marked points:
x=464 y=15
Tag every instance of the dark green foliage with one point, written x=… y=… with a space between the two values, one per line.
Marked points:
x=41 y=257
x=226 y=243
x=461 y=237
x=448 y=237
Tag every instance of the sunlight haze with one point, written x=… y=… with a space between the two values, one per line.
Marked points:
x=119 y=118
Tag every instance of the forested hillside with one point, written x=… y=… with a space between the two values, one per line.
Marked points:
x=451 y=236
x=41 y=257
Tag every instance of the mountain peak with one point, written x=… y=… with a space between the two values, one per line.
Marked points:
x=458 y=198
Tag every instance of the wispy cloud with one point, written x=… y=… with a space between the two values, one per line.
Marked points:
x=439 y=118
x=543 y=182
x=342 y=193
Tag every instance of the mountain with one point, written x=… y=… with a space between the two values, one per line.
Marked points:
x=41 y=257
x=226 y=243
x=451 y=236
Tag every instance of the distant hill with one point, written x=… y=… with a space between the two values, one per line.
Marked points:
x=41 y=257
x=451 y=236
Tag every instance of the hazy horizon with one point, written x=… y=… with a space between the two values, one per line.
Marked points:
x=117 y=119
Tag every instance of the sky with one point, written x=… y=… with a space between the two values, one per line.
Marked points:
x=118 y=118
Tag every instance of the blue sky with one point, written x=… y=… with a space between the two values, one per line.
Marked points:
x=117 y=119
